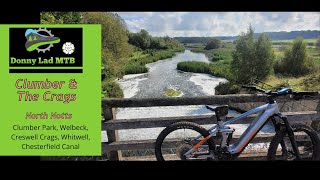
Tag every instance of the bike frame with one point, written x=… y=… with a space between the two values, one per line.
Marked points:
x=265 y=111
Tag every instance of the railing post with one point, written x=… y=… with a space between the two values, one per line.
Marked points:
x=315 y=124
x=109 y=114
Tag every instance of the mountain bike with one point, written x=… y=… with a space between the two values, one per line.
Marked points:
x=190 y=141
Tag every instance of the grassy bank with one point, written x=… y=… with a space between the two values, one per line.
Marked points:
x=309 y=82
x=138 y=60
x=221 y=59
x=135 y=64
x=224 y=53
x=218 y=69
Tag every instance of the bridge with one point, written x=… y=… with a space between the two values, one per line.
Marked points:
x=302 y=111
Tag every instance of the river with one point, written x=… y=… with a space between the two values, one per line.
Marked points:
x=163 y=75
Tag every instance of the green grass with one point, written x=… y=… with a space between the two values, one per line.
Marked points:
x=219 y=69
x=291 y=40
x=224 y=53
x=309 y=82
x=221 y=59
x=137 y=55
x=136 y=63
x=172 y=92
x=194 y=66
x=110 y=88
x=135 y=69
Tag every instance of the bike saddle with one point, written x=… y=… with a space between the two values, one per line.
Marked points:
x=219 y=110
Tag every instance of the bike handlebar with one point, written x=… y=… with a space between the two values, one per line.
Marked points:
x=284 y=91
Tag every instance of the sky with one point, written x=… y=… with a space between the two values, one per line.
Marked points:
x=175 y=24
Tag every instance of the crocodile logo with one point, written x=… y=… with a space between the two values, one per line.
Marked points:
x=36 y=40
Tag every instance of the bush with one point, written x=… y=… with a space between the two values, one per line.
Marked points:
x=295 y=61
x=252 y=59
x=111 y=89
x=135 y=69
x=219 y=69
x=227 y=88
x=194 y=66
x=312 y=82
x=213 y=44
x=217 y=57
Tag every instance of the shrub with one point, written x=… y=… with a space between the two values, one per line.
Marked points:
x=213 y=44
x=194 y=66
x=217 y=57
x=135 y=69
x=111 y=89
x=295 y=61
x=227 y=88
x=252 y=59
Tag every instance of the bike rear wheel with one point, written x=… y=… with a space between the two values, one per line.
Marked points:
x=306 y=138
x=175 y=140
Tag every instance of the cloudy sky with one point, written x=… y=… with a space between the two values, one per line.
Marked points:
x=218 y=23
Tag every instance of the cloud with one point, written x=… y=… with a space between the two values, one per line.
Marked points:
x=218 y=23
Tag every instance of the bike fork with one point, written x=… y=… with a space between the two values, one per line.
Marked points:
x=291 y=137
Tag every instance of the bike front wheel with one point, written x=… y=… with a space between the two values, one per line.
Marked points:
x=177 y=139
x=306 y=138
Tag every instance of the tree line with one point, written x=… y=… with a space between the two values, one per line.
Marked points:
x=144 y=41
x=118 y=45
x=273 y=35
x=255 y=59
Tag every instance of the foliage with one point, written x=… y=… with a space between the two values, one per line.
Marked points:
x=227 y=88
x=318 y=43
x=135 y=69
x=60 y=17
x=296 y=61
x=306 y=34
x=172 y=92
x=312 y=82
x=194 y=66
x=219 y=69
x=145 y=41
x=213 y=44
x=252 y=59
x=111 y=89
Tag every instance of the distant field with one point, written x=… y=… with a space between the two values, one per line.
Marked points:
x=290 y=40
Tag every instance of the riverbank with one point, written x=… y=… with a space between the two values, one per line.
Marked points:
x=163 y=75
x=135 y=64
x=138 y=59
x=221 y=61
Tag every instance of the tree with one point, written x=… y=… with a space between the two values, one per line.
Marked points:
x=264 y=57
x=141 y=39
x=115 y=46
x=145 y=41
x=251 y=59
x=114 y=34
x=213 y=44
x=60 y=17
x=295 y=61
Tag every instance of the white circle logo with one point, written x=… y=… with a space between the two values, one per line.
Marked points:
x=68 y=48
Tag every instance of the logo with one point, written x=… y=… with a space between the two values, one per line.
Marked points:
x=68 y=48
x=57 y=50
x=36 y=40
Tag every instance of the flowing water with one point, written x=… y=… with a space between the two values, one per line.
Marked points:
x=163 y=75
